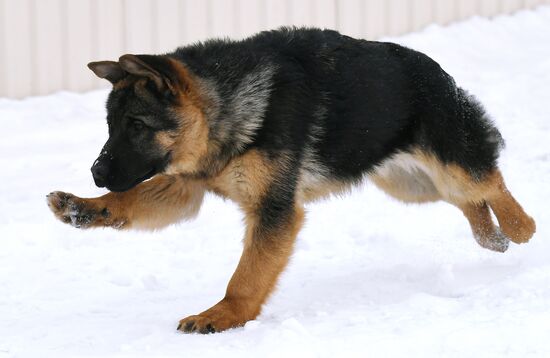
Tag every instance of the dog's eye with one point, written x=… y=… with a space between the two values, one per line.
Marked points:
x=138 y=124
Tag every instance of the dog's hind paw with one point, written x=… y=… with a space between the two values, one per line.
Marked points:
x=496 y=242
x=80 y=213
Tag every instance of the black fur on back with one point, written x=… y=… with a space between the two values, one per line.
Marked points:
x=340 y=106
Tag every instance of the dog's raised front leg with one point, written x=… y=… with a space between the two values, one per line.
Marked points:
x=152 y=204
x=266 y=252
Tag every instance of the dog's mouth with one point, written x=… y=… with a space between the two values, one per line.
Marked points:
x=149 y=175
x=121 y=188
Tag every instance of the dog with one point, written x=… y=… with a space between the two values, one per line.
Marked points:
x=277 y=120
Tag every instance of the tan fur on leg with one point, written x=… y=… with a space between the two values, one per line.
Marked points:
x=459 y=187
x=485 y=232
x=513 y=220
x=419 y=176
x=152 y=204
x=264 y=257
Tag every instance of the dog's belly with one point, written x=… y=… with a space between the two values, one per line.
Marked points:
x=403 y=176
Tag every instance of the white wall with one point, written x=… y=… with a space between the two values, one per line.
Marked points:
x=46 y=44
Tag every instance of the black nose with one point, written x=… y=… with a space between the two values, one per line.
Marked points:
x=100 y=171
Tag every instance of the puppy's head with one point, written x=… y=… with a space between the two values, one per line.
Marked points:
x=152 y=115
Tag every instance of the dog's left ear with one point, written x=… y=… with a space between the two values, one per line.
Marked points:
x=110 y=70
x=157 y=69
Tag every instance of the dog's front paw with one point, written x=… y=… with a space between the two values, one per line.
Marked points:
x=73 y=210
x=81 y=213
x=198 y=324
x=222 y=316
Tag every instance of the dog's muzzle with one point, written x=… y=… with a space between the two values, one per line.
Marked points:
x=100 y=170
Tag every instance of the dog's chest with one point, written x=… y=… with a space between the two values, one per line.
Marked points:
x=245 y=179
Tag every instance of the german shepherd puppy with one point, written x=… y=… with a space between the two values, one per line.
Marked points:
x=278 y=120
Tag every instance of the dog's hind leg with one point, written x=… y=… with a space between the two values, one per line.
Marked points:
x=513 y=220
x=408 y=178
x=417 y=177
x=152 y=204
x=473 y=195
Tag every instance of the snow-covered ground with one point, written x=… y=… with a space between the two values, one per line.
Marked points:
x=370 y=276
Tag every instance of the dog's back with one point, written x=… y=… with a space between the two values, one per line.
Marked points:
x=343 y=103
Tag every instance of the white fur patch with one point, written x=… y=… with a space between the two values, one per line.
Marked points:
x=403 y=161
x=407 y=172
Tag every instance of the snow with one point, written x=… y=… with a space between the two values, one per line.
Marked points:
x=369 y=277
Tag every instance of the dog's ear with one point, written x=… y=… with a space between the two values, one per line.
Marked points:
x=110 y=70
x=157 y=69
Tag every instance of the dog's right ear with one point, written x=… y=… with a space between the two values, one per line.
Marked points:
x=110 y=70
